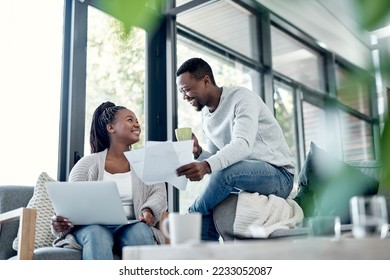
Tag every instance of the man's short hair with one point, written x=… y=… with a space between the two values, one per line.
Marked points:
x=198 y=68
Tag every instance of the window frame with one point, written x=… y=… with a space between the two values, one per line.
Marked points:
x=73 y=90
x=161 y=108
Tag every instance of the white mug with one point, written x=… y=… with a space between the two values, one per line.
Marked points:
x=183 y=228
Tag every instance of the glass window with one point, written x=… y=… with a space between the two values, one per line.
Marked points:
x=30 y=88
x=314 y=125
x=182 y=2
x=226 y=23
x=115 y=68
x=284 y=113
x=226 y=73
x=357 y=138
x=296 y=61
x=353 y=90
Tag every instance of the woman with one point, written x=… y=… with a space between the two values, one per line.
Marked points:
x=114 y=129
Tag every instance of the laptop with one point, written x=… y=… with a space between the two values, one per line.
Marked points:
x=87 y=202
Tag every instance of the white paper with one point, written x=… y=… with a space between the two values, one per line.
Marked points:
x=158 y=161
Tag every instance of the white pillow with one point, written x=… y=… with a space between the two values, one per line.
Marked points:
x=40 y=201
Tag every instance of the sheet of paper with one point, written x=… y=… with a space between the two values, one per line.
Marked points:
x=158 y=161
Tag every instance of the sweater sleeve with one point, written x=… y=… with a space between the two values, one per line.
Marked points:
x=149 y=196
x=86 y=169
x=244 y=129
x=156 y=201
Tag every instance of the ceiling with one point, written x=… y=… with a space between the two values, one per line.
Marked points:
x=348 y=13
x=334 y=24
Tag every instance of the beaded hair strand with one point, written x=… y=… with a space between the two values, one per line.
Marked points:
x=103 y=115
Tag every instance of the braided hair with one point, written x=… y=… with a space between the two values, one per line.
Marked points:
x=105 y=114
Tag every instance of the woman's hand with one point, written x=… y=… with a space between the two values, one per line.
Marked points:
x=147 y=217
x=60 y=224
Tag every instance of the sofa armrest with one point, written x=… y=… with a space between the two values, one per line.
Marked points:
x=11 y=197
x=27 y=219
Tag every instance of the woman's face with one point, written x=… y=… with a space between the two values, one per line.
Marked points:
x=125 y=128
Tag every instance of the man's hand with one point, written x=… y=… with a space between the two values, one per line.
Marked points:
x=194 y=171
x=197 y=149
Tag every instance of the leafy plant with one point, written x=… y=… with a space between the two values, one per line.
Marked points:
x=141 y=13
x=373 y=14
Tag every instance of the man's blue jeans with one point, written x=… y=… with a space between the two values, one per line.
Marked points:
x=100 y=242
x=247 y=175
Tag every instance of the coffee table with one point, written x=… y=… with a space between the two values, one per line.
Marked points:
x=307 y=248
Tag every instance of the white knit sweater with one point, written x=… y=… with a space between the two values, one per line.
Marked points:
x=259 y=215
x=243 y=127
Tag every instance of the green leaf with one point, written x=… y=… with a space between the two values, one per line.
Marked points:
x=373 y=13
x=385 y=155
x=135 y=13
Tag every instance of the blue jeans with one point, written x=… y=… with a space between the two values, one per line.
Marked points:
x=100 y=242
x=247 y=175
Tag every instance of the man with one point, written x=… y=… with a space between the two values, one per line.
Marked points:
x=246 y=148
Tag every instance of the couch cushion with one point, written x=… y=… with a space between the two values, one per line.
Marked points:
x=326 y=184
x=224 y=215
x=40 y=201
x=54 y=253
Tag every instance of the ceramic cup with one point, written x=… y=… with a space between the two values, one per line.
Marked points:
x=183 y=228
x=183 y=133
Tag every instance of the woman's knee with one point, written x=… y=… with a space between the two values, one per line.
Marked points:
x=143 y=232
x=137 y=234
x=94 y=234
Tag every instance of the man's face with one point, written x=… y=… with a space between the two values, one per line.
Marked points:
x=194 y=91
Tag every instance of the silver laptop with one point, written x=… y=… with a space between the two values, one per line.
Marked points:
x=85 y=203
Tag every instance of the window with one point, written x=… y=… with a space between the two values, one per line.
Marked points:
x=182 y=2
x=225 y=23
x=284 y=113
x=353 y=89
x=357 y=139
x=226 y=73
x=314 y=125
x=30 y=88
x=115 y=68
x=296 y=60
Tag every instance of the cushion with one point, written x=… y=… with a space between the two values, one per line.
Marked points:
x=326 y=184
x=40 y=201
